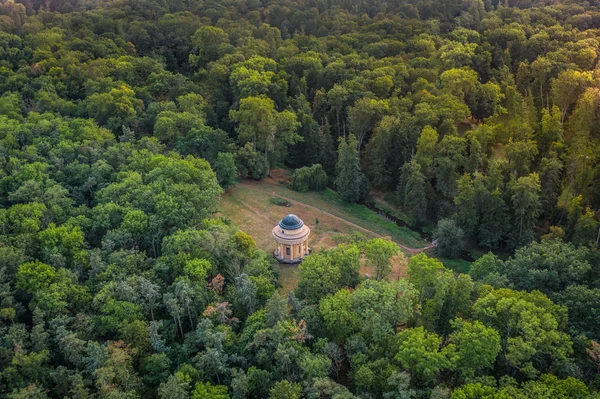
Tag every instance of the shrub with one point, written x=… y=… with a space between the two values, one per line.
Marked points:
x=278 y=201
x=309 y=178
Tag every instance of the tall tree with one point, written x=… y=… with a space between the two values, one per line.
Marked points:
x=530 y=326
x=426 y=149
x=379 y=253
x=363 y=116
x=449 y=237
x=349 y=176
x=476 y=347
x=226 y=170
x=567 y=87
x=337 y=97
x=526 y=207
x=411 y=192
x=260 y=123
x=420 y=352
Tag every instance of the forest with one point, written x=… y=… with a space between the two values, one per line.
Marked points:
x=123 y=122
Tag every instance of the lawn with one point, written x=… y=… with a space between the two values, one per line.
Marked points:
x=254 y=213
x=328 y=201
x=252 y=206
x=257 y=206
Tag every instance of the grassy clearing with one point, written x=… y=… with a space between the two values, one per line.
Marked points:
x=256 y=212
x=255 y=207
x=329 y=201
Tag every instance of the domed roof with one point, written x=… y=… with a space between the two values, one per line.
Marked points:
x=291 y=222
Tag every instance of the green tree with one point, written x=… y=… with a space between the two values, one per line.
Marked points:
x=422 y=273
x=348 y=170
x=340 y=319
x=476 y=347
x=178 y=127
x=449 y=237
x=583 y=305
x=567 y=87
x=226 y=170
x=489 y=269
x=548 y=386
x=379 y=253
x=550 y=181
x=389 y=148
x=426 y=149
x=525 y=197
x=530 y=325
x=520 y=156
x=400 y=383
x=363 y=116
x=205 y=390
x=209 y=42
x=260 y=123
x=324 y=273
x=11 y=106
x=383 y=305
x=115 y=108
x=314 y=366
x=277 y=309
x=156 y=369
x=411 y=192
x=309 y=178
x=548 y=266
x=420 y=352
x=337 y=97
x=250 y=163
x=285 y=390
x=551 y=132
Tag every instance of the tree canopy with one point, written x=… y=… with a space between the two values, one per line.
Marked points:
x=474 y=122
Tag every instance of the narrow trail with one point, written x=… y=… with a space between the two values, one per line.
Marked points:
x=410 y=250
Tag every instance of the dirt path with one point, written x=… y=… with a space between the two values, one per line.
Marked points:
x=410 y=250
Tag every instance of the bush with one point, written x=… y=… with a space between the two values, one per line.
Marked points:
x=309 y=178
x=279 y=201
x=449 y=238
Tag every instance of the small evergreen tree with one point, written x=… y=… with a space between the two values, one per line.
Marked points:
x=411 y=192
x=348 y=170
x=449 y=238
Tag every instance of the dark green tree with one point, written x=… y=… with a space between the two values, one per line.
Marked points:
x=449 y=238
x=226 y=170
x=348 y=178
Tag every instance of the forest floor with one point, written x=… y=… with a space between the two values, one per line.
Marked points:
x=249 y=206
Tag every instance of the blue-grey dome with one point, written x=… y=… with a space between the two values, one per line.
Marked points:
x=291 y=222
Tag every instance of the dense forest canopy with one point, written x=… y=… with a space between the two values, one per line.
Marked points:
x=122 y=122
